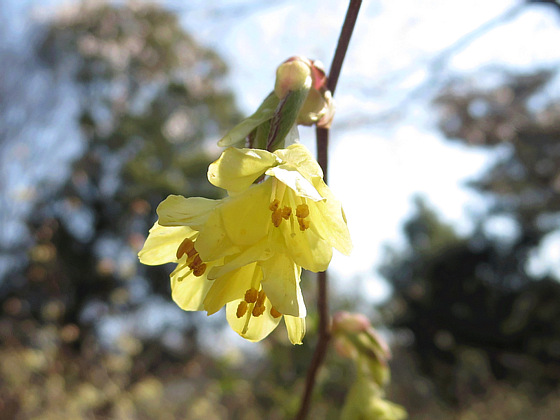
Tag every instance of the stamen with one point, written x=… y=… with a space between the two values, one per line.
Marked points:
x=199 y=270
x=258 y=310
x=302 y=211
x=278 y=191
x=196 y=261
x=186 y=247
x=275 y=313
x=274 y=205
x=303 y=224
x=184 y=276
x=276 y=217
x=241 y=309
x=251 y=295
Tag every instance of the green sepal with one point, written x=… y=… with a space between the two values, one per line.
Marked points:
x=284 y=118
x=365 y=401
x=236 y=136
x=261 y=136
x=371 y=356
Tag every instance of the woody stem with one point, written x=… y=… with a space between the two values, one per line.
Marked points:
x=322 y=135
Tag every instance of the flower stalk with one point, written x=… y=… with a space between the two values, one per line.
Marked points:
x=322 y=136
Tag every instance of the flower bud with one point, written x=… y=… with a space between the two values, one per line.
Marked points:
x=350 y=323
x=292 y=76
x=299 y=73
x=355 y=338
x=365 y=401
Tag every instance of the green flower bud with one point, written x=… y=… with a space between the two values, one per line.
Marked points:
x=365 y=402
x=292 y=76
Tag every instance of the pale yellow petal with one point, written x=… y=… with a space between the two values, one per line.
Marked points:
x=237 y=169
x=189 y=292
x=328 y=220
x=296 y=181
x=177 y=210
x=162 y=243
x=231 y=286
x=250 y=327
x=213 y=242
x=306 y=248
x=258 y=252
x=299 y=157
x=246 y=217
x=296 y=328
x=281 y=284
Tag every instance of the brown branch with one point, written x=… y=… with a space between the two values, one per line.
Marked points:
x=324 y=334
x=343 y=42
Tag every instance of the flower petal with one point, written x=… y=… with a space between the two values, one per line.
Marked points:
x=296 y=328
x=281 y=284
x=296 y=181
x=231 y=286
x=246 y=216
x=299 y=157
x=242 y=220
x=189 y=292
x=213 y=242
x=177 y=210
x=237 y=169
x=258 y=252
x=329 y=221
x=306 y=249
x=162 y=243
x=257 y=327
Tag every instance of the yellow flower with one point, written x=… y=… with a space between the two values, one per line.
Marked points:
x=291 y=211
x=246 y=251
x=254 y=306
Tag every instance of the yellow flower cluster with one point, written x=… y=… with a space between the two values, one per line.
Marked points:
x=246 y=251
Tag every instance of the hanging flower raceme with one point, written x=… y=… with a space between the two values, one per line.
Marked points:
x=246 y=251
x=254 y=307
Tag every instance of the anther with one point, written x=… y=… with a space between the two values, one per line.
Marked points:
x=241 y=309
x=274 y=205
x=199 y=270
x=251 y=295
x=196 y=262
x=286 y=212
x=303 y=224
x=275 y=313
x=258 y=310
x=186 y=247
x=276 y=217
x=302 y=211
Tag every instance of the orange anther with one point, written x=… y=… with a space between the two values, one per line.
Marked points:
x=251 y=295
x=241 y=309
x=186 y=246
x=275 y=313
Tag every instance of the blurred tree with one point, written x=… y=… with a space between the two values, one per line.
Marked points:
x=475 y=309
x=149 y=96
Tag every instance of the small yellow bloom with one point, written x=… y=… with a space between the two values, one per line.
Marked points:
x=292 y=210
x=246 y=251
x=243 y=289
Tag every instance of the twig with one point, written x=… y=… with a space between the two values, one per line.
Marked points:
x=322 y=158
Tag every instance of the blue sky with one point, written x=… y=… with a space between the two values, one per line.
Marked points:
x=385 y=144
